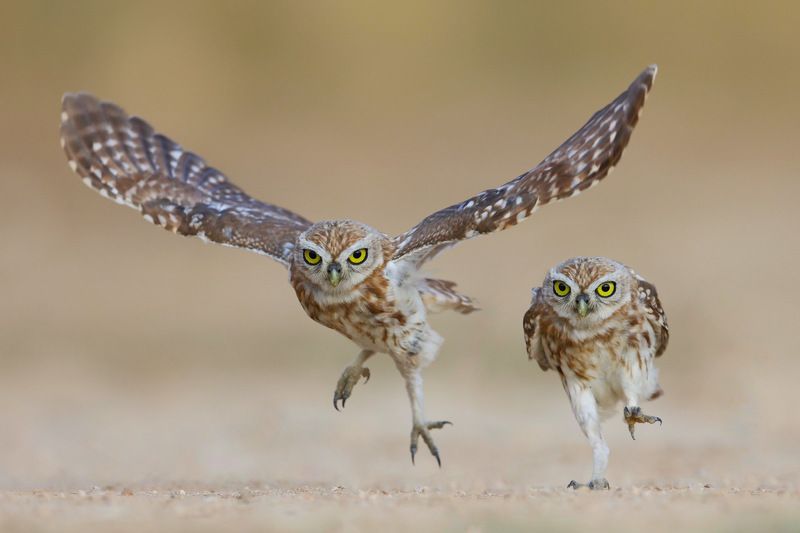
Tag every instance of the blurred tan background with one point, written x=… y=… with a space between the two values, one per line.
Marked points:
x=134 y=359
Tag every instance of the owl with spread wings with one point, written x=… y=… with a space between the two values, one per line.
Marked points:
x=349 y=277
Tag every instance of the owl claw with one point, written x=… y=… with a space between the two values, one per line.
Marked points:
x=634 y=415
x=595 y=484
x=423 y=430
x=347 y=381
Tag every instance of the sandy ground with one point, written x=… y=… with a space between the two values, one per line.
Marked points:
x=227 y=451
x=318 y=508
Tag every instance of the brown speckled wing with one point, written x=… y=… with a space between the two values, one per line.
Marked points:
x=123 y=159
x=531 y=329
x=441 y=295
x=582 y=161
x=648 y=296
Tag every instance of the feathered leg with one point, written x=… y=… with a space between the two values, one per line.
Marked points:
x=410 y=366
x=584 y=406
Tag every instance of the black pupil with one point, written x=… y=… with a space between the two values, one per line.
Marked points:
x=560 y=287
x=312 y=255
x=606 y=287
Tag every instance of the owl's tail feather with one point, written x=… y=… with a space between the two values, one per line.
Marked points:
x=441 y=295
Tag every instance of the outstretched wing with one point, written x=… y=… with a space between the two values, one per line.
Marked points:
x=648 y=296
x=123 y=159
x=576 y=165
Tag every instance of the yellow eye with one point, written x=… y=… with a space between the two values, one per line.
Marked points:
x=606 y=289
x=560 y=288
x=311 y=257
x=358 y=257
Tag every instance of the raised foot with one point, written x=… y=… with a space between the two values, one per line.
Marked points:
x=634 y=415
x=595 y=484
x=423 y=430
x=344 y=387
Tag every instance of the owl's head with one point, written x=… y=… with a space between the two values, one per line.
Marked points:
x=587 y=290
x=336 y=256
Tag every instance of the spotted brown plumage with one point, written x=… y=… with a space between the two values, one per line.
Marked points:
x=601 y=335
x=648 y=297
x=580 y=162
x=441 y=295
x=125 y=160
x=347 y=276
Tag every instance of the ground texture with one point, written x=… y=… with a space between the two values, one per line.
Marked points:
x=206 y=453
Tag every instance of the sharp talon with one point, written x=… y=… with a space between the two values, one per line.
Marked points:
x=365 y=374
x=344 y=400
x=599 y=484
x=422 y=429
x=335 y=399
x=634 y=415
x=573 y=485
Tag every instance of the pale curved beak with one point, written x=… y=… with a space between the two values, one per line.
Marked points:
x=582 y=304
x=334 y=273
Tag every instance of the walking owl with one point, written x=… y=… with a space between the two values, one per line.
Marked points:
x=347 y=276
x=600 y=326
